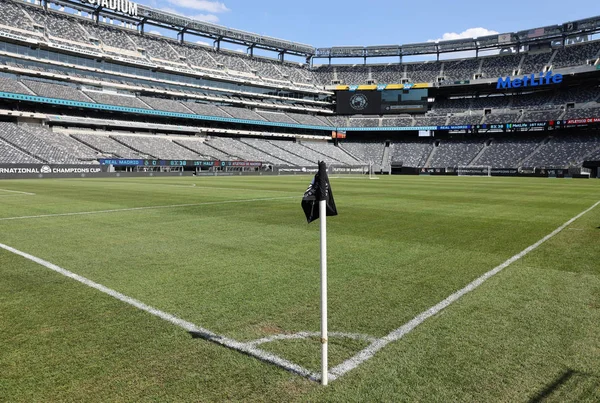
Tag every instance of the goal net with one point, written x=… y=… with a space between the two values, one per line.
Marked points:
x=474 y=171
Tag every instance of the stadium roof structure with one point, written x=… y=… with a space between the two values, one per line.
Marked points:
x=182 y=25
x=549 y=33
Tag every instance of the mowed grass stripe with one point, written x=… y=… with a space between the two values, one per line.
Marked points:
x=63 y=342
x=406 y=256
x=399 y=246
x=514 y=339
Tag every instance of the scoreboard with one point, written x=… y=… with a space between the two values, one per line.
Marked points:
x=177 y=163
x=382 y=102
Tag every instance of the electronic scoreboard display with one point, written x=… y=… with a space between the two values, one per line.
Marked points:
x=177 y=163
x=382 y=102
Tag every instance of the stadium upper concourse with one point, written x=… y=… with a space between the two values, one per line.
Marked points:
x=81 y=82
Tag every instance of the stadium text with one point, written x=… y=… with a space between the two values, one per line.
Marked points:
x=123 y=6
x=530 y=81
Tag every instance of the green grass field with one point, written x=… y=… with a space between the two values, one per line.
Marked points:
x=217 y=256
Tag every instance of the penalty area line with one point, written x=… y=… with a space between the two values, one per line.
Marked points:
x=408 y=327
x=147 y=208
x=249 y=349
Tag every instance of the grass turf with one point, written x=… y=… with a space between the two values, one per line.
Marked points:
x=249 y=269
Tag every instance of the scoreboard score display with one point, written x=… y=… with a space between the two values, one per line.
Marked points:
x=381 y=102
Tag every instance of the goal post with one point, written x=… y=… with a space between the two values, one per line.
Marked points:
x=483 y=170
x=372 y=172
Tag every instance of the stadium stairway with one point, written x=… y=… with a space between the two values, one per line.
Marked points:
x=23 y=150
x=85 y=143
x=188 y=148
x=480 y=153
x=386 y=165
x=132 y=148
x=589 y=155
x=349 y=153
x=430 y=157
x=6 y=144
x=293 y=153
x=536 y=150
x=266 y=152
x=320 y=153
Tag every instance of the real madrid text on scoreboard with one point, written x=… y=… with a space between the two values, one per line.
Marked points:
x=176 y=163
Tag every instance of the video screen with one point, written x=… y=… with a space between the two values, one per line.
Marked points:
x=382 y=102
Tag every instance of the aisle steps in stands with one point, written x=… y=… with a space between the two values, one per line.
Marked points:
x=480 y=153
x=589 y=155
x=430 y=157
x=145 y=103
x=349 y=153
x=536 y=150
x=12 y=154
x=552 y=59
x=386 y=163
x=85 y=143
x=521 y=62
x=191 y=149
x=132 y=148
x=320 y=153
x=291 y=152
x=266 y=150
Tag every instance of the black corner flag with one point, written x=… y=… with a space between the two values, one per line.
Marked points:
x=319 y=190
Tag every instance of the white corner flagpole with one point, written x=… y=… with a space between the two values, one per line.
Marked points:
x=323 y=219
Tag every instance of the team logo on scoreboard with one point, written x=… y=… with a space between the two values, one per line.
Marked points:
x=359 y=102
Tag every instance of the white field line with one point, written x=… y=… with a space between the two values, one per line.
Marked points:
x=15 y=191
x=148 y=208
x=194 y=185
x=402 y=331
x=306 y=335
x=246 y=348
x=250 y=348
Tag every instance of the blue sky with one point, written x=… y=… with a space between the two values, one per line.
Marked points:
x=323 y=23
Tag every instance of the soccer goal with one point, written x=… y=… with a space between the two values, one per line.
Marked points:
x=474 y=171
x=372 y=172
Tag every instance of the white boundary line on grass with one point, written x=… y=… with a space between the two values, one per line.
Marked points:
x=16 y=191
x=246 y=348
x=402 y=331
x=147 y=208
x=194 y=185
x=250 y=348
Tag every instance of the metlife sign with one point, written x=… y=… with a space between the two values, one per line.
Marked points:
x=530 y=81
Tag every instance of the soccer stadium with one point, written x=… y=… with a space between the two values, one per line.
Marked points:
x=153 y=245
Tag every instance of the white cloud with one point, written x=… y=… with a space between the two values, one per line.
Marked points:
x=154 y=32
x=469 y=33
x=202 y=5
x=203 y=43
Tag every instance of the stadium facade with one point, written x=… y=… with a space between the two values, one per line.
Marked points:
x=89 y=83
